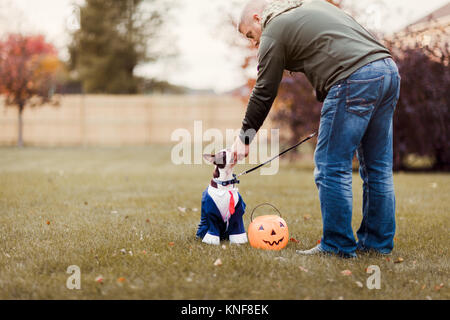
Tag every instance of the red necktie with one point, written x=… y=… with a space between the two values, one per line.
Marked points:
x=231 y=206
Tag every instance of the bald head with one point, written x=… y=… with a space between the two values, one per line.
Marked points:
x=252 y=8
x=250 y=22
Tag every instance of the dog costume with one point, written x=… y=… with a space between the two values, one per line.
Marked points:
x=222 y=216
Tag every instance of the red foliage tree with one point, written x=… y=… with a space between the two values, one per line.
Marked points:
x=28 y=66
x=423 y=113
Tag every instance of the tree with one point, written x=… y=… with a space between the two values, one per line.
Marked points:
x=423 y=112
x=296 y=107
x=114 y=37
x=28 y=69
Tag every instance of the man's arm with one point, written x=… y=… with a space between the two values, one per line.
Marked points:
x=271 y=64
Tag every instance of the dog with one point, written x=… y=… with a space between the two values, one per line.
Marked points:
x=222 y=205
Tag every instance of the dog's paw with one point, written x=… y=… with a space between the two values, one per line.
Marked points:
x=210 y=239
x=238 y=238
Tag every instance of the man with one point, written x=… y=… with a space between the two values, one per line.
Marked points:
x=355 y=77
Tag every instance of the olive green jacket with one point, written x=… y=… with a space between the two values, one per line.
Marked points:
x=317 y=39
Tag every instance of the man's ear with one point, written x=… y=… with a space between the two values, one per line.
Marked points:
x=210 y=158
x=256 y=18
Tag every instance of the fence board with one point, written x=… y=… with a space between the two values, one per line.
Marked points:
x=107 y=120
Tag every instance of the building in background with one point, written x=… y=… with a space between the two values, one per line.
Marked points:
x=432 y=31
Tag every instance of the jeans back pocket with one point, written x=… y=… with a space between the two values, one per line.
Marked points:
x=362 y=95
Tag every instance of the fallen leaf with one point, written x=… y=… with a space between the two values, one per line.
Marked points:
x=171 y=244
x=99 y=279
x=218 y=263
x=144 y=252
x=438 y=287
x=388 y=259
x=307 y=217
x=428 y=298
x=114 y=212
x=48 y=223
x=181 y=209
x=399 y=260
x=294 y=240
x=121 y=280
x=195 y=209
x=85 y=203
x=224 y=247
x=346 y=272
x=303 y=269
x=123 y=251
x=280 y=259
x=147 y=220
x=423 y=287
x=318 y=241
x=359 y=284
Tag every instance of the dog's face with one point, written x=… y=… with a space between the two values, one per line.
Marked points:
x=223 y=160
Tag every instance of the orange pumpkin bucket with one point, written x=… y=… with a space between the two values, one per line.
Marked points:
x=268 y=232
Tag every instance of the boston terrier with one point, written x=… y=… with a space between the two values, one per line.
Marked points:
x=222 y=205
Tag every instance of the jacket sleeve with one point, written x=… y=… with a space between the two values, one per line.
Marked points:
x=271 y=64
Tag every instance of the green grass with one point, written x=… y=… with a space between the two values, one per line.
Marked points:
x=100 y=201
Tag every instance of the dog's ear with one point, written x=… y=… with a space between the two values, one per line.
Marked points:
x=210 y=158
x=220 y=159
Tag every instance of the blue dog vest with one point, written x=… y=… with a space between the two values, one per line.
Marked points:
x=214 y=223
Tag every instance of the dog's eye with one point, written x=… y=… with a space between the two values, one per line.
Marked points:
x=261 y=228
x=281 y=225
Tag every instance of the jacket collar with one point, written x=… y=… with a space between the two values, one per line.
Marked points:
x=276 y=8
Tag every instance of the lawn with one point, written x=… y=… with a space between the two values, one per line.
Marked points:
x=129 y=215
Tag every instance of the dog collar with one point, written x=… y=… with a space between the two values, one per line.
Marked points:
x=227 y=182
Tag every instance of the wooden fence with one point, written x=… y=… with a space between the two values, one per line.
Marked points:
x=106 y=120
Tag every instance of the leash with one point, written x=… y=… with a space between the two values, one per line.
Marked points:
x=279 y=155
x=235 y=177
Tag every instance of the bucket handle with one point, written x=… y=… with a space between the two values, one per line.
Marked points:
x=263 y=204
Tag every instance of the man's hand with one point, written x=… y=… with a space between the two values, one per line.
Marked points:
x=239 y=150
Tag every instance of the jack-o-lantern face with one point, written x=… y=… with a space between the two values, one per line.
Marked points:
x=268 y=232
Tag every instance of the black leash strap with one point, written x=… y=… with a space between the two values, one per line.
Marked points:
x=270 y=160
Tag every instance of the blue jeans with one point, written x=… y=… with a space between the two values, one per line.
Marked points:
x=357 y=117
